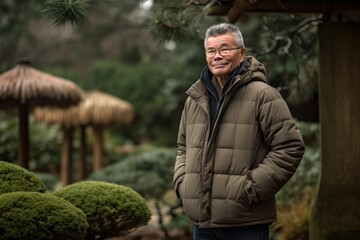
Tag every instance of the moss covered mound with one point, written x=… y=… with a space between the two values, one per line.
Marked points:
x=112 y=210
x=14 y=178
x=40 y=216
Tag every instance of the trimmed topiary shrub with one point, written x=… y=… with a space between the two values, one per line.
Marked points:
x=149 y=172
x=14 y=178
x=112 y=210
x=40 y=216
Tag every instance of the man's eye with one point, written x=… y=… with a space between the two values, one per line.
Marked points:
x=210 y=51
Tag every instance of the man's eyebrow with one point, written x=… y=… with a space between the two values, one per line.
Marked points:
x=222 y=45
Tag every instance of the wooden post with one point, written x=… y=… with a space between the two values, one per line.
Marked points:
x=23 y=157
x=98 y=147
x=82 y=163
x=336 y=213
x=66 y=163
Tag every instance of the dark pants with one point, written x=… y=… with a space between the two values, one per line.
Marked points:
x=254 y=232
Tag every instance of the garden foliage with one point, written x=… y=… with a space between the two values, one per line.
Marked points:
x=147 y=172
x=40 y=216
x=14 y=178
x=112 y=210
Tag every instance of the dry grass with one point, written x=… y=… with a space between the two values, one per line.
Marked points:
x=293 y=219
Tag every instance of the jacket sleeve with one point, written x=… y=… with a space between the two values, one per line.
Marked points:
x=285 y=143
x=180 y=163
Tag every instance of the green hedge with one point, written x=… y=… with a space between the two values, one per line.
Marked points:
x=40 y=216
x=112 y=210
x=14 y=178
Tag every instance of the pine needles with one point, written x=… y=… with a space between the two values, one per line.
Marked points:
x=66 y=11
x=175 y=20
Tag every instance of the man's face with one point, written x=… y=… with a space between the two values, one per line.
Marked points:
x=221 y=66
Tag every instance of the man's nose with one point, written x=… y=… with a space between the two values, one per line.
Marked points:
x=218 y=54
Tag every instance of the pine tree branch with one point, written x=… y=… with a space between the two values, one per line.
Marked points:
x=62 y=12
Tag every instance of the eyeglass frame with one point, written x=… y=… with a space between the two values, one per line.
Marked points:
x=219 y=50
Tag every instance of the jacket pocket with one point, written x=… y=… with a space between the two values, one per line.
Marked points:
x=236 y=207
x=237 y=190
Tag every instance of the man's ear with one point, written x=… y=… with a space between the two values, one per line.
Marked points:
x=243 y=52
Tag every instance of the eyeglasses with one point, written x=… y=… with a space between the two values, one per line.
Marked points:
x=223 y=51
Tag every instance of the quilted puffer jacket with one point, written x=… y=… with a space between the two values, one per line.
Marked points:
x=227 y=174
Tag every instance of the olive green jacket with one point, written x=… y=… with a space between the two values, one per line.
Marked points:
x=227 y=175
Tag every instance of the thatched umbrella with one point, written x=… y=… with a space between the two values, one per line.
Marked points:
x=97 y=110
x=26 y=87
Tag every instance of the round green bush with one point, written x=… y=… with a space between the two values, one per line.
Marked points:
x=40 y=216
x=14 y=178
x=112 y=210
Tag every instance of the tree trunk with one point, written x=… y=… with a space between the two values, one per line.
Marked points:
x=336 y=213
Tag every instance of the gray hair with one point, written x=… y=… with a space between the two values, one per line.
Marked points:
x=224 y=28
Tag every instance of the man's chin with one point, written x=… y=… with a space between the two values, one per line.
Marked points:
x=219 y=72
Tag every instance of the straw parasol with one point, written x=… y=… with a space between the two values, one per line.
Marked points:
x=26 y=87
x=97 y=110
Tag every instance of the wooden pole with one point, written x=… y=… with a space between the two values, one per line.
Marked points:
x=82 y=164
x=66 y=162
x=23 y=157
x=97 y=147
x=336 y=214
